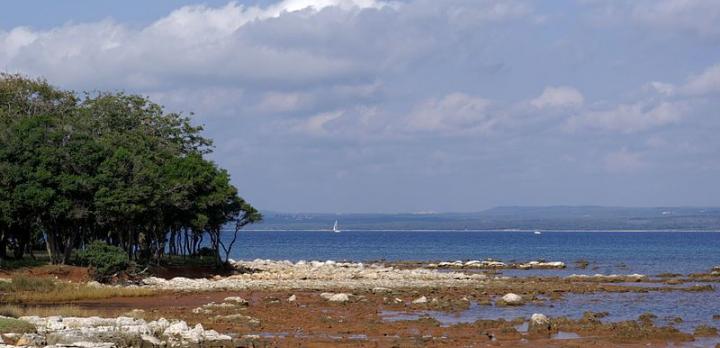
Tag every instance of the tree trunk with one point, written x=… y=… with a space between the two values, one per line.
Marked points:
x=68 y=246
x=52 y=245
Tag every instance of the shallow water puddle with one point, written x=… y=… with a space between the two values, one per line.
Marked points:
x=694 y=308
x=563 y=335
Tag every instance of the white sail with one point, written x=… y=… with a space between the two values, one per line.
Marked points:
x=335 y=227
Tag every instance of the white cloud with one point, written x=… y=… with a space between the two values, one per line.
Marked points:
x=288 y=82
x=629 y=118
x=666 y=89
x=456 y=112
x=17 y=38
x=201 y=23
x=283 y=102
x=697 y=85
x=316 y=125
x=194 y=43
x=558 y=97
x=624 y=161
x=706 y=83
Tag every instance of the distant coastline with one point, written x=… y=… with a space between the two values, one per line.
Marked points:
x=553 y=218
x=481 y=231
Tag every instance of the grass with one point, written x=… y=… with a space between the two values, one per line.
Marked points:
x=8 y=325
x=20 y=283
x=25 y=289
x=16 y=311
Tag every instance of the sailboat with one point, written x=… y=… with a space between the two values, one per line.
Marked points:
x=335 y=227
x=537 y=232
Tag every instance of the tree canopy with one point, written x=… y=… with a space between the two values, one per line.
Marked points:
x=111 y=167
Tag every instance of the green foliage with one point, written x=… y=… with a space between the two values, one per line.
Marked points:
x=11 y=264
x=105 y=260
x=11 y=325
x=205 y=251
x=106 y=166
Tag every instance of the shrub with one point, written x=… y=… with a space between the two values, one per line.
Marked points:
x=205 y=251
x=105 y=260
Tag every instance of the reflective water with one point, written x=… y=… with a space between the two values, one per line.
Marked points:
x=695 y=308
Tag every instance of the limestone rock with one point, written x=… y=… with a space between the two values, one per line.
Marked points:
x=238 y=300
x=94 y=284
x=342 y=298
x=119 y=332
x=320 y=275
x=420 y=300
x=511 y=299
x=150 y=342
x=30 y=340
x=539 y=325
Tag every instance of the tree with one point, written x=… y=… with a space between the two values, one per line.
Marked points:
x=110 y=167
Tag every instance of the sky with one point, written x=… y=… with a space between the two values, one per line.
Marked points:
x=412 y=105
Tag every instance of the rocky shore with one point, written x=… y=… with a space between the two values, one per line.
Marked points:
x=494 y=264
x=115 y=332
x=345 y=304
x=287 y=275
x=268 y=274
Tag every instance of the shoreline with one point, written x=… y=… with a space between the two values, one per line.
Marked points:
x=353 y=304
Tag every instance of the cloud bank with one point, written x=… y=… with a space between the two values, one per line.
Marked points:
x=375 y=105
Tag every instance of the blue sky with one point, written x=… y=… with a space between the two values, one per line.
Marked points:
x=414 y=105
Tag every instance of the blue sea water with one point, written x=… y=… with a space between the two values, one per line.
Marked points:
x=608 y=252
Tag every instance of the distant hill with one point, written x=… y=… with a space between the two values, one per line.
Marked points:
x=510 y=218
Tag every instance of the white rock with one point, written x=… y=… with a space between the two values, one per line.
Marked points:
x=239 y=300
x=539 y=324
x=151 y=341
x=420 y=300
x=176 y=328
x=212 y=335
x=511 y=299
x=94 y=284
x=158 y=327
x=321 y=275
x=219 y=305
x=201 y=310
x=292 y=298
x=539 y=319
x=339 y=298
